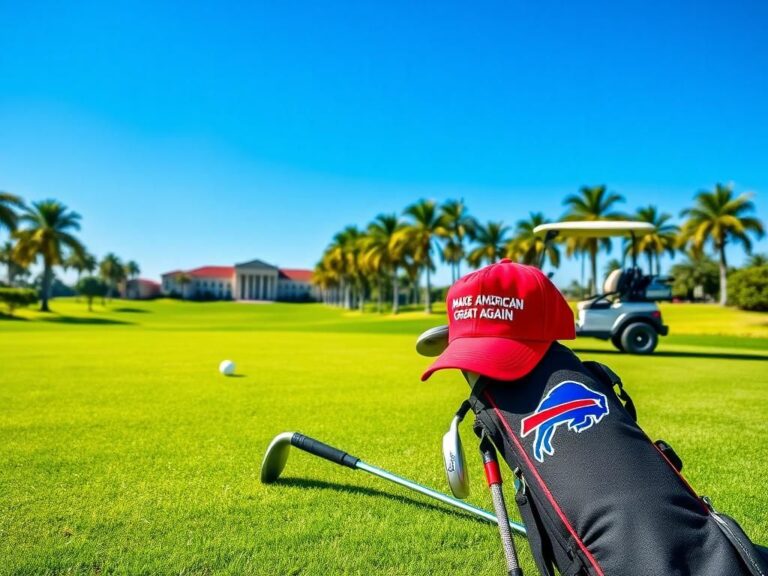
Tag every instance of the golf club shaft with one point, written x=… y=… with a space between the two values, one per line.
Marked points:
x=474 y=510
x=337 y=456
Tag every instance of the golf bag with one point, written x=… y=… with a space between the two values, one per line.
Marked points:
x=597 y=496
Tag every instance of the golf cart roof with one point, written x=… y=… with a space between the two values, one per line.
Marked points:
x=595 y=229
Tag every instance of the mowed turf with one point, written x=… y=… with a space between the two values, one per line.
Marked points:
x=124 y=451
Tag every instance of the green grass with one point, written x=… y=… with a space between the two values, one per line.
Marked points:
x=123 y=451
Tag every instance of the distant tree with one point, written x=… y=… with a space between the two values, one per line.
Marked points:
x=592 y=203
x=81 y=262
x=91 y=287
x=9 y=206
x=720 y=217
x=756 y=260
x=48 y=232
x=663 y=239
x=132 y=269
x=458 y=226
x=696 y=271
x=490 y=244
x=12 y=266
x=426 y=226
x=384 y=249
x=748 y=288
x=112 y=271
x=526 y=247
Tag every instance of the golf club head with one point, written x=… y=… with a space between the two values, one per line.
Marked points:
x=276 y=457
x=455 y=462
x=432 y=342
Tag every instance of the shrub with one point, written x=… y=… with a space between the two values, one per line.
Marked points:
x=92 y=287
x=748 y=288
x=15 y=297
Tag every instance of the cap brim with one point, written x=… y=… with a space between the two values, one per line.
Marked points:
x=493 y=357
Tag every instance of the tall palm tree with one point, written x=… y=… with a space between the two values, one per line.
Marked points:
x=9 y=204
x=385 y=250
x=719 y=217
x=491 y=241
x=663 y=239
x=458 y=225
x=527 y=247
x=343 y=258
x=427 y=224
x=112 y=271
x=46 y=231
x=592 y=203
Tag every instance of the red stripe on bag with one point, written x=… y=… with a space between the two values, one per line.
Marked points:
x=535 y=420
x=544 y=488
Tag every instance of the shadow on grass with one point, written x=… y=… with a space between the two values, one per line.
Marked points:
x=364 y=491
x=672 y=354
x=132 y=311
x=11 y=318
x=85 y=321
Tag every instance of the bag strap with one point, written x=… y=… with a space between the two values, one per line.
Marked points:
x=608 y=376
x=750 y=555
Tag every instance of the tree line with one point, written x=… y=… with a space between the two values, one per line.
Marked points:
x=396 y=251
x=45 y=232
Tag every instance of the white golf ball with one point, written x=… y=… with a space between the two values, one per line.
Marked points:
x=227 y=367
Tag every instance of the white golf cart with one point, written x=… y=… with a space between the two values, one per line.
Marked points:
x=625 y=312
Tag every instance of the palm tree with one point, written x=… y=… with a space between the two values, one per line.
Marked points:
x=526 y=247
x=719 y=217
x=458 y=225
x=112 y=272
x=491 y=241
x=132 y=269
x=81 y=262
x=48 y=232
x=384 y=248
x=343 y=259
x=9 y=203
x=663 y=239
x=6 y=258
x=757 y=260
x=592 y=203
x=426 y=226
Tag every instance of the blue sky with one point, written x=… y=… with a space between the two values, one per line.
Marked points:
x=210 y=133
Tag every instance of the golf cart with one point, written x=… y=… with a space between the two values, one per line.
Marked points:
x=625 y=312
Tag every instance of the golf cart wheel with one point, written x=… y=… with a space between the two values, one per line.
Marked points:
x=616 y=341
x=639 y=338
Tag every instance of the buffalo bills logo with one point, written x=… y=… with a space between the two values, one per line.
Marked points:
x=569 y=403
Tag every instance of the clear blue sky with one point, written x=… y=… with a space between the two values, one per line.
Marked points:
x=209 y=133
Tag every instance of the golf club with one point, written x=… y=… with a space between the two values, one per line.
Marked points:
x=277 y=456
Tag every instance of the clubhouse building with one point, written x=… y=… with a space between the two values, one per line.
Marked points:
x=250 y=281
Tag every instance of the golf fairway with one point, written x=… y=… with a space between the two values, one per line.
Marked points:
x=124 y=451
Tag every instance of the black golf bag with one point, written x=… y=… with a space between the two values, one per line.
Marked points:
x=597 y=496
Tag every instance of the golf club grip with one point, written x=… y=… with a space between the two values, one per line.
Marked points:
x=323 y=450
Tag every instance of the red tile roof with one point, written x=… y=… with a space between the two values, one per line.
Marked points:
x=297 y=274
x=146 y=282
x=212 y=272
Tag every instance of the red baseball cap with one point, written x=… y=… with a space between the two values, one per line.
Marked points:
x=502 y=319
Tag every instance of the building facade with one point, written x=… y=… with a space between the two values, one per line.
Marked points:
x=254 y=280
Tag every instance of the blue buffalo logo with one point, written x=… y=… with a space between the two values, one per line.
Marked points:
x=569 y=403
